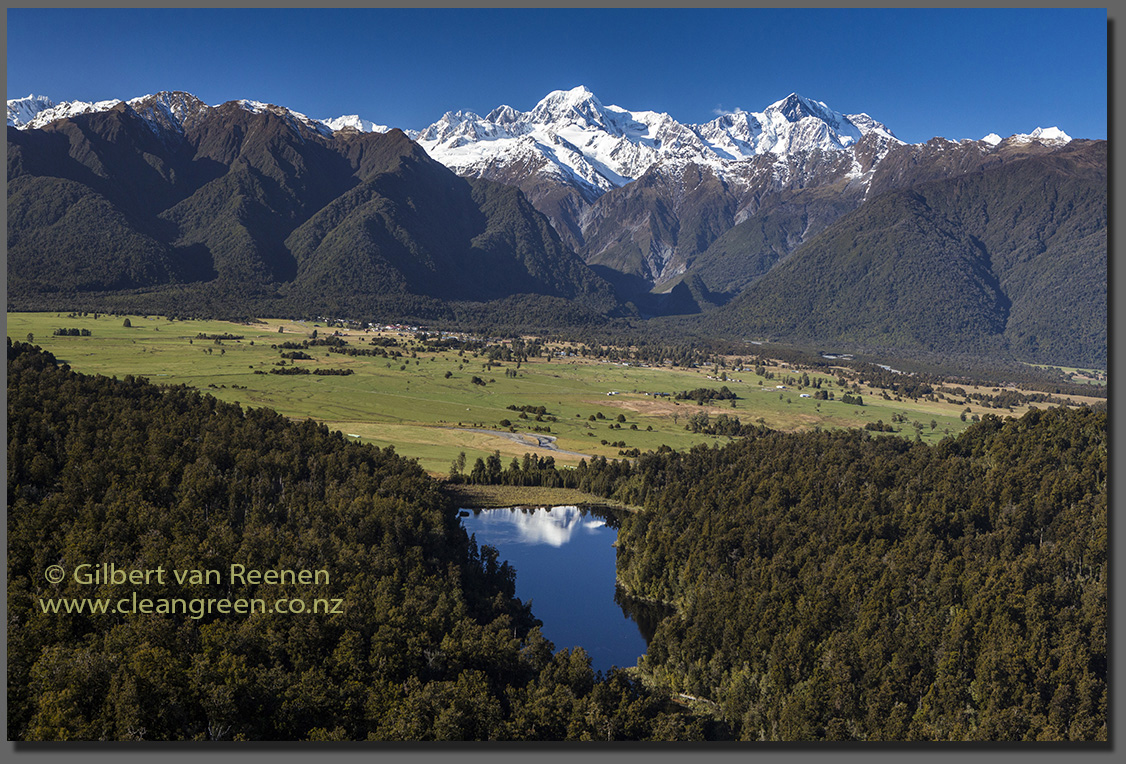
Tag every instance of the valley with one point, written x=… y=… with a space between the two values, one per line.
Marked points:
x=799 y=223
x=833 y=407
x=423 y=401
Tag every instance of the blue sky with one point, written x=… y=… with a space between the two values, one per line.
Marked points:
x=958 y=73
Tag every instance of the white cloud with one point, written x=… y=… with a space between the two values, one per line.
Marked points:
x=719 y=111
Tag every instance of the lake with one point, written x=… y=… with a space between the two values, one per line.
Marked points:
x=564 y=559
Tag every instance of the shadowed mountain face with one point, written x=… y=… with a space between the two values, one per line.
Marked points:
x=730 y=225
x=822 y=236
x=640 y=194
x=256 y=203
x=651 y=203
x=1012 y=257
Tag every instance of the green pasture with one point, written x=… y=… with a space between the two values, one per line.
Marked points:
x=411 y=404
x=1097 y=377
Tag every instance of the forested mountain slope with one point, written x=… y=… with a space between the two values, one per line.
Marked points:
x=163 y=204
x=255 y=205
x=1010 y=259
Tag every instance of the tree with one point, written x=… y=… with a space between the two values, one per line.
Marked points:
x=126 y=323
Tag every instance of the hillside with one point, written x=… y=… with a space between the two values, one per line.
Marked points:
x=1008 y=259
x=796 y=224
x=259 y=206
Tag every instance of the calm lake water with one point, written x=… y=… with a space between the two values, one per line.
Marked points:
x=564 y=559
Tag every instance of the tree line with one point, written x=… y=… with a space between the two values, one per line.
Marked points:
x=824 y=585
x=839 y=585
x=432 y=643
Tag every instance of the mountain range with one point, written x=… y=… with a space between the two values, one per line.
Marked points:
x=796 y=222
x=259 y=201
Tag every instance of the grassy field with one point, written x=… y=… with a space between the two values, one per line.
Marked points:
x=427 y=406
x=497 y=496
x=1096 y=377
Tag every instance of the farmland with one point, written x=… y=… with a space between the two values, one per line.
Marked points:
x=434 y=404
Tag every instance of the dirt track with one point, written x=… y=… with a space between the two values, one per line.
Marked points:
x=546 y=442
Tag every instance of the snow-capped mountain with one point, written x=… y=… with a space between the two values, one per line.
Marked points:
x=1044 y=135
x=569 y=135
x=581 y=161
x=21 y=111
x=36 y=111
x=793 y=124
x=634 y=213
x=295 y=118
x=636 y=191
x=571 y=150
x=354 y=122
x=572 y=135
x=168 y=110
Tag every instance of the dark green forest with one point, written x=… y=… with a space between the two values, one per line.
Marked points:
x=843 y=586
x=825 y=585
x=432 y=643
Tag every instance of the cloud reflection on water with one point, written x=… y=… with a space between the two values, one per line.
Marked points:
x=554 y=528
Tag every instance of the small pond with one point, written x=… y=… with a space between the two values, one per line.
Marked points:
x=564 y=559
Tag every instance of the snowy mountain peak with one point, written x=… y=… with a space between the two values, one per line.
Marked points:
x=572 y=135
x=794 y=124
x=169 y=110
x=459 y=117
x=295 y=119
x=795 y=108
x=1051 y=134
x=733 y=135
x=21 y=111
x=575 y=97
x=172 y=110
x=39 y=117
x=354 y=122
x=504 y=115
x=1042 y=135
x=577 y=105
x=868 y=125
